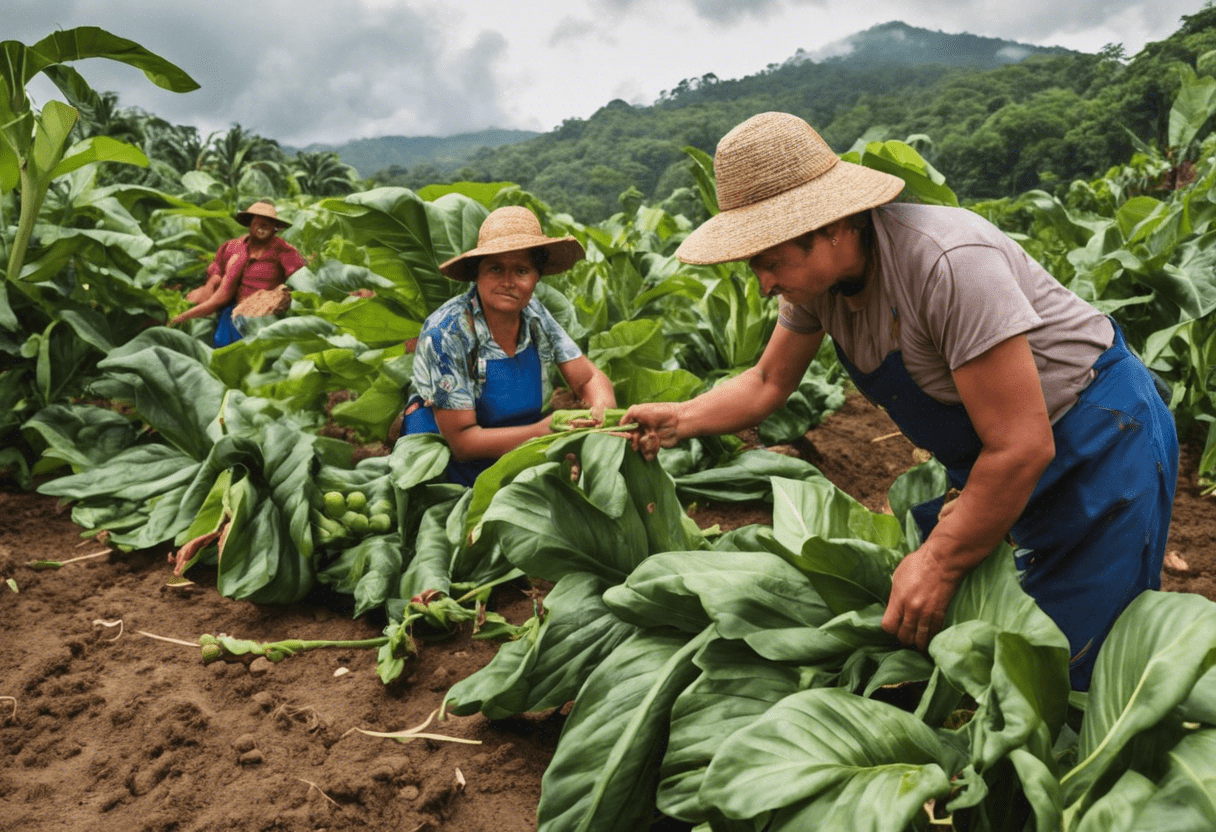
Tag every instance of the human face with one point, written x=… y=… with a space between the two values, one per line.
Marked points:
x=505 y=282
x=261 y=229
x=800 y=275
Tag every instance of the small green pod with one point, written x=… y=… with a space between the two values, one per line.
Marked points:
x=335 y=504
x=356 y=501
x=357 y=523
x=380 y=523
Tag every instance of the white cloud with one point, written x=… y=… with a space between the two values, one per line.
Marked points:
x=319 y=70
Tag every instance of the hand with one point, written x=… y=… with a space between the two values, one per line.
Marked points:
x=921 y=589
x=659 y=423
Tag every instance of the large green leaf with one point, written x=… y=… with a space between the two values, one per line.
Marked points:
x=81 y=435
x=1157 y=650
x=739 y=592
x=173 y=393
x=602 y=776
x=748 y=477
x=736 y=686
x=826 y=759
x=91 y=42
x=548 y=669
x=136 y=474
x=548 y=528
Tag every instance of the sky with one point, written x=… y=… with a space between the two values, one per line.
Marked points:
x=329 y=71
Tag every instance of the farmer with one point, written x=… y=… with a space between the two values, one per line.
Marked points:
x=259 y=260
x=483 y=357
x=1029 y=396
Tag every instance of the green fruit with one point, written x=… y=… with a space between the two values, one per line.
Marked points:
x=335 y=504
x=382 y=506
x=380 y=523
x=357 y=523
x=356 y=501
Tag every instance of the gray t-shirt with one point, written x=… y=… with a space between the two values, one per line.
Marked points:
x=949 y=286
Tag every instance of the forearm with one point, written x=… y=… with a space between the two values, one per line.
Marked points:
x=475 y=442
x=997 y=491
x=734 y=405
x=597 y=391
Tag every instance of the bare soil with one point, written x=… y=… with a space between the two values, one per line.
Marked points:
x=105 y=729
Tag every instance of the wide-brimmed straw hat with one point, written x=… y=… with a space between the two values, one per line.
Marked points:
x=515 y=228
x=261 y=209
x=777 y=179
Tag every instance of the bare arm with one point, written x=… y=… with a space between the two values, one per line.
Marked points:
x=740 y=403
x=206 y=290
x=221 y=297
x=1004 y=399
x=469 y=440
x=588 y=382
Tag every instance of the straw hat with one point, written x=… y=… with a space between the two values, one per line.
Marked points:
x=777 y=179
x=261 y=209
x=515 y=228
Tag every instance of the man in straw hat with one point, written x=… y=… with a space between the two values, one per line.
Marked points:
x=258 y=260
x=1029 y=396
x=483 y=356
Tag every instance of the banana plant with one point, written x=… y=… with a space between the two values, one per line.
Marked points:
x=34 y=145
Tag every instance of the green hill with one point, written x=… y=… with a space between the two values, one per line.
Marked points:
x=371 y=155
x=996 y=117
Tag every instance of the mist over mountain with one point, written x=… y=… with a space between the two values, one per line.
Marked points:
x=893 y=43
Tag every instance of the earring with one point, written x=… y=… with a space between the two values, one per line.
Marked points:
x=833 y=241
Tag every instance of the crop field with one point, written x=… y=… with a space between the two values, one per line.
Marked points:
x=232 y=601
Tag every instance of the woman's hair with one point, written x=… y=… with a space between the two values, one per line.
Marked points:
x=539 y=255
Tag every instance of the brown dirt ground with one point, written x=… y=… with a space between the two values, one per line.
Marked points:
x=108 y=730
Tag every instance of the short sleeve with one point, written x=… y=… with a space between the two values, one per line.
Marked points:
x=797 y=318
x=441 y=368
x=291 y=260
x=558 y=346
x=972 y=301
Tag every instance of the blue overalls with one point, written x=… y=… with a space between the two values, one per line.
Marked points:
x=225 y=330
x=511 y=395
x=1092 y=536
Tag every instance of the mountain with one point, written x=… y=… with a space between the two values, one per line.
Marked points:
x=899 y=43
x=371 y=155
x=995 y=117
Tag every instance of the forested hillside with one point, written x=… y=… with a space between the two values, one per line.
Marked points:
x=993 y=131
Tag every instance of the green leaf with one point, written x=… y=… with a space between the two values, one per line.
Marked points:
x=548 y=528
x=547 y=670
x=747 y=477
x=174 y=394
x=602 y=776
x=830 y=760
x=735 y=687
x=922 y=180
x=100 y=149
x=52 y=130
x=739 y=592
x=92 y=42
x=1157 y=650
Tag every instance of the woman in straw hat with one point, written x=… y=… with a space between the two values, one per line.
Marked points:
x=482 y=357
x=1029 y=396
x=258 y=260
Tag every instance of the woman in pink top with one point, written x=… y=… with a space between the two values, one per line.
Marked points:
x=259 y=260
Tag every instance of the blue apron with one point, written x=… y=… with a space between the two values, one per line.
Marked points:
x=511 y=395
x=1092 y=536
x=225 y=330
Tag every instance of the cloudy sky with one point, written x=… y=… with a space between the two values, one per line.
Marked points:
x=333 y=70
